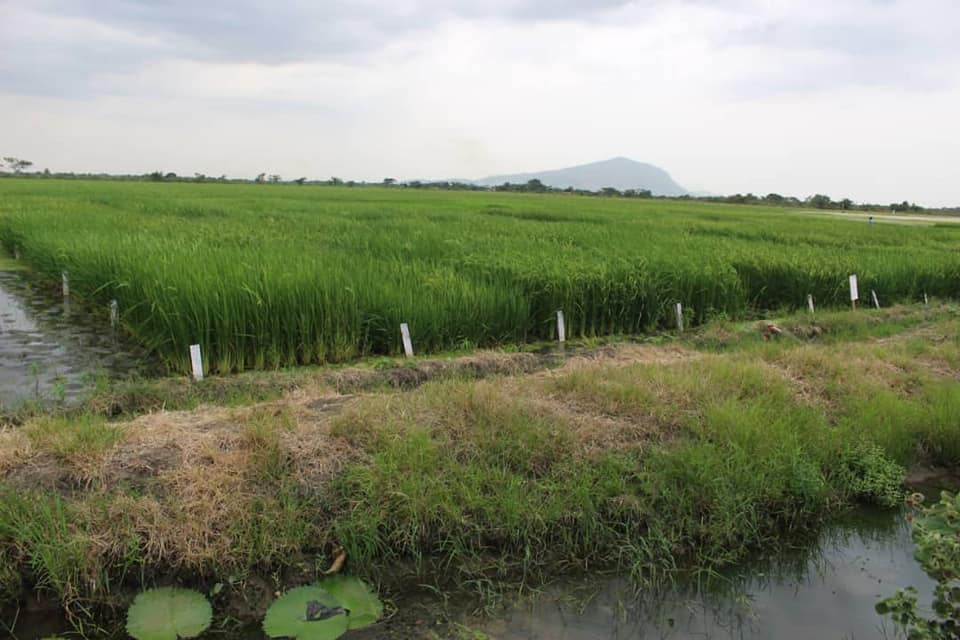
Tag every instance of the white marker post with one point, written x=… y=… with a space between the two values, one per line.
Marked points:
x=876 y=302
x=561 y=327
x=196 y=362
x=854 y=292
x=926 y=300
x=407 y=343
x=65 y=284
x=810 y=303
x=679 y=310
x=114 y=314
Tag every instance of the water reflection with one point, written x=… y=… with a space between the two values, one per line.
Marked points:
x=827 y=590
x=50 y=348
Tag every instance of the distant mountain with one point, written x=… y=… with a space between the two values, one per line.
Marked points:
x=619 y=173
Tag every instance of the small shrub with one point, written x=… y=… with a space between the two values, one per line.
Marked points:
x=866 y=474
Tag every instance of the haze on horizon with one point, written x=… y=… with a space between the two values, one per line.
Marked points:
x=851 y=98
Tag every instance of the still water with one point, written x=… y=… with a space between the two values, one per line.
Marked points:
x=825 y=590
x=50 y=350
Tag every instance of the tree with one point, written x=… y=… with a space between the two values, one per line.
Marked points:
x=820 y=201
x=335 y=181
x=846 y=204
x=261 y=177
x=17 y=164
x=300 y=181
x=274 y=178
x=389 y=182
x=535 y=186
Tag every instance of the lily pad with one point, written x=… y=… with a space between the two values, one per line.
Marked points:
x=168 y=613
x=306 y=613
x=362 y=605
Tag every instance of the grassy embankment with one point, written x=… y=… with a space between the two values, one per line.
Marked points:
x=267 y=276
x=642 y=457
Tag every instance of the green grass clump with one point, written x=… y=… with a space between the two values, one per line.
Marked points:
x=72 y=437
x=271 y=276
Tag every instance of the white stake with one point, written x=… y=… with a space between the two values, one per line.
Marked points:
x=679 y=310
x=407 y=343
x=65 y=284
x=114 y=313
x=854 y=291
x=876 y=302
x=196 y=362
x=925 y=299
x=810 y=302
x=561 y=327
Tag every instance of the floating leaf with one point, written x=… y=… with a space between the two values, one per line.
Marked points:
x=306 y=613
x=168 y=614
x=362 y=605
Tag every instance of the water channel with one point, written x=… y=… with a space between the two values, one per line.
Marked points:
x=826 y=588
x=50 y=349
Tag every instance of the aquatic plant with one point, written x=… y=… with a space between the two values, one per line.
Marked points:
x=324 y=611
x=168 y=613
x=937 y=536
x=363 y=607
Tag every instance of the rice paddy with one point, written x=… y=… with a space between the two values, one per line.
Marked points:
x=264 y=276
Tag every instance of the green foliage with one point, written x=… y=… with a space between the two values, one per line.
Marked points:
x=74 y=436
x=262 y=278
x=39 y=528
x=324 y=611
x=937 y=536
x=168 y=613
x=868 y=475
x=363 y=607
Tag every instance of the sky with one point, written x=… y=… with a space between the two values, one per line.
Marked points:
x=852 y=98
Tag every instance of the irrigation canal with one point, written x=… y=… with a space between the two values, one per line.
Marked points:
x=51 y=350
x=825 y=588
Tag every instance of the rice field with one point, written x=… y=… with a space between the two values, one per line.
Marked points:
x=264 y=276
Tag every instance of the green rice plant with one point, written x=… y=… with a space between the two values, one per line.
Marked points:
x=265 y=278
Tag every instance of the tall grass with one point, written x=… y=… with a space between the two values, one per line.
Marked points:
x=279 y=275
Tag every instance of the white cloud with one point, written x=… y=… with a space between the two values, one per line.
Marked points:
x=852 y=98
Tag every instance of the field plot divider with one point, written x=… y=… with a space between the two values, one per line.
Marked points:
x=196 y=362
x=407 y=342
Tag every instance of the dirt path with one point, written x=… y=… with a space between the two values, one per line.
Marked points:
x=885 y=217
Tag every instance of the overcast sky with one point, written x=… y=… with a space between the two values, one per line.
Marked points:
x=857 y=98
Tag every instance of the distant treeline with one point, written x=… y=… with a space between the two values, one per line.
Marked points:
x=16 y=168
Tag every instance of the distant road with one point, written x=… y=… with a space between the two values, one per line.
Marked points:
x=885 y=217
